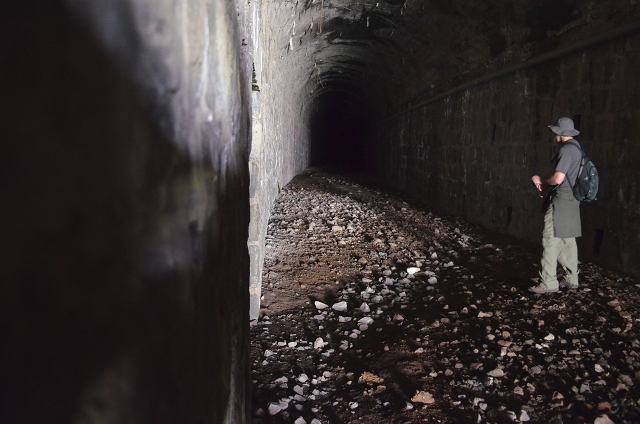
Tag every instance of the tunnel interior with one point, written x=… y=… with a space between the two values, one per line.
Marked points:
x=148 y=142
x=448 y=103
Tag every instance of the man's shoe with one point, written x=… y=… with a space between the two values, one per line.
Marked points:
x=541 y=289
x=569 y=285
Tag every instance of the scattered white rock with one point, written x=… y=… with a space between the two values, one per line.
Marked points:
x=281 y=380
x=496 y=373
x=412 y=270
x=549 y=337
x=319 y=343
x=340 y=306
x=365 y=321
x=320 y=306
x=365 y=308
x=275 y=408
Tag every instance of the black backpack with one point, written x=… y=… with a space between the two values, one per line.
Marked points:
x=586 y=185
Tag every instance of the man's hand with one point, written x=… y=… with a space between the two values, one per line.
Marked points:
x=537 y=181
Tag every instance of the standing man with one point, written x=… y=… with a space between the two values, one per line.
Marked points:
x=562 y=218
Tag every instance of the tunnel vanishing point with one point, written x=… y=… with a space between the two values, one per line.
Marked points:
x=144 y=143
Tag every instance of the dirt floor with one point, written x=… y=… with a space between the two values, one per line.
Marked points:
x=376 y=311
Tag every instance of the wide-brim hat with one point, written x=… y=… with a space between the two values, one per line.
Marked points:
x=565 y=127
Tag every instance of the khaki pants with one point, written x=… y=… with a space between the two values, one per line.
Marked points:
x=562 y=250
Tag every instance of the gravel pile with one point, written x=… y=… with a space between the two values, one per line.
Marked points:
x=376 y=311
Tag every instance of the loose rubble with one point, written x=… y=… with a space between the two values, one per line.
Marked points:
x=376 y=311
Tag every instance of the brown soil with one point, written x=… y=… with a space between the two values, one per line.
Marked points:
x=460 y=340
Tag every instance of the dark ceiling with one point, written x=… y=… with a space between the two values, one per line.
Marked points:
x=409 y=49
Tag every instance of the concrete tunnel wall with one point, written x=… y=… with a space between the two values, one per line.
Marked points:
x=125 y=128
x=279 y=143
x=147 y=141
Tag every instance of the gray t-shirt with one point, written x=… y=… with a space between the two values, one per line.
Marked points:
x=569 y=159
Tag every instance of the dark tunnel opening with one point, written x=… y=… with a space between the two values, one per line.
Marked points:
x=340 y=133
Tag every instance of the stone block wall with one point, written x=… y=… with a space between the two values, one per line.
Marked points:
x=280 y=142
x=473 y=153
x=124 y=177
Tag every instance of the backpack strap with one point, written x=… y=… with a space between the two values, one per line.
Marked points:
x=582 y=161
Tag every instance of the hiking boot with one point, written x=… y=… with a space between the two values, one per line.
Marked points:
x=541 y=289
x=570 y=286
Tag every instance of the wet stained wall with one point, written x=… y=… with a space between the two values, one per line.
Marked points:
x=125 y=184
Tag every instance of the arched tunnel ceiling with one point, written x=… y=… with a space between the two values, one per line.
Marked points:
x=407 y=50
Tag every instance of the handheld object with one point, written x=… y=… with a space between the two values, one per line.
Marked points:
x=539 y=187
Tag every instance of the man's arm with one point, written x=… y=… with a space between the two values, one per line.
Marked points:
x=541 y=183
x=556 y=179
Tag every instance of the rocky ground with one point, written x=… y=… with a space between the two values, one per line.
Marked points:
x=376 y=311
